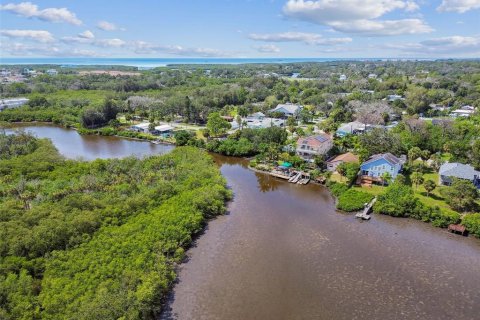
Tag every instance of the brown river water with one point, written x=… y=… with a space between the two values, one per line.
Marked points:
x=284 y=252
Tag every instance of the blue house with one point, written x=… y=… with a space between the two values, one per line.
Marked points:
x=378 y=164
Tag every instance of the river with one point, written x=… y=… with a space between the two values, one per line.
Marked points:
x=284 y=252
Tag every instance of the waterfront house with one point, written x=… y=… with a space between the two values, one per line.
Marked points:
x=163 y=130
x=449 y=171
x=12 y=103
x=317 y=145
x=354 y=127
x=288 y=109
x=141 y=127
x=348 y=157
x=379 y=164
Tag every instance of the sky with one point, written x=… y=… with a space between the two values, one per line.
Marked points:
x=241 y=28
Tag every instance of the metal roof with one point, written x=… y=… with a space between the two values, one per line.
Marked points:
x=458 y=170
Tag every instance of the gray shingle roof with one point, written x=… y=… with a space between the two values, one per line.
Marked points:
x=390 y=158
x=458 y=170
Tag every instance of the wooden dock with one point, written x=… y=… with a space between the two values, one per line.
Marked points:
x=295 y=178
x=365 y=214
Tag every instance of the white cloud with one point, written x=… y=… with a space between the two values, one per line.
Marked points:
x=268 y=48
x=35 y=35
x=357 y=16
x=382 y=27
x=87 y=34
x=108 y=26
x=86 y=38
x=21 y=49
x=30 y=10
x=308 y=38
x=454 y=46
x=459 y=6
x=142 y=47
x=109 y=43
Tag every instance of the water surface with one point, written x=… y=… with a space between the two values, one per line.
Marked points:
x=284 y=252
x=89 y=147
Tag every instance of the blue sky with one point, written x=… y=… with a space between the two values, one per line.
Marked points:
x=241 y=28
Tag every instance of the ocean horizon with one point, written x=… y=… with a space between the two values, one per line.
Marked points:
x=161 y=62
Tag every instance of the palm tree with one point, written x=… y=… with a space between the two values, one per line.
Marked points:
x=417 y=178
x=386 y=178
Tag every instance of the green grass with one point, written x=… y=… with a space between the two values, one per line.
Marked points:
x=434 y=199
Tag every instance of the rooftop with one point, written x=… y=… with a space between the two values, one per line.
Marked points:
x=390 y=158
x=458 y=170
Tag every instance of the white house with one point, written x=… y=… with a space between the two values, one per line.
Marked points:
x=51 y=72
x=465 y=111
x=163 y=129
x=394 y=97
x=342 y=77
x=262 y=123
x=354 y=127
x=12 y=103
x=288 y=109
x=141 y=127
x=318 y=145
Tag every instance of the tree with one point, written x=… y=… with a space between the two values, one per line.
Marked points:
x=414 y=153
x=475 y=154
x=151 y=126
x=320 y=162
x=342 y=169
x=461 y=195
x=239 y=122
x=417 y=99
x=291 y=124
x=400 y=179
x=352 y=172
x=386 y=178
x=217 y=125
x=417 y=178
x=429 y=186
x=379 y=141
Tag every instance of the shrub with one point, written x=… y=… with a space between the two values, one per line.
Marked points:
x=337 y=188
x=472 y=222
x=353 y=200
x=397 y=201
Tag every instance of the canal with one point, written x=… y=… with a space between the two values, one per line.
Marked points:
x=284 y=252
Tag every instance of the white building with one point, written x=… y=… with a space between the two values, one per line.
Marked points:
x=163 y=129
x=465 y=111
x=12 y=103
x=51 y=72
x=342 y=77
x=288 y=109
x=394 y=97
x=264 y=123
x=141 y=127
x=318 y=145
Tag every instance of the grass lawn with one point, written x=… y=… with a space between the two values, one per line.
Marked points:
x=435 y=198
x=374 y=189
x=336 y=177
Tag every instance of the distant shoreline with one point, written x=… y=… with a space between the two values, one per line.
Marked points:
x=163 y=62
